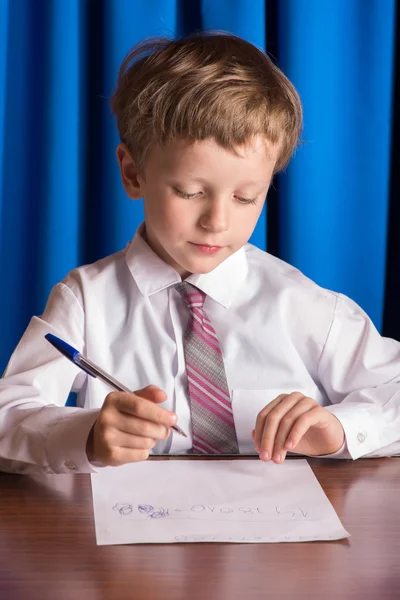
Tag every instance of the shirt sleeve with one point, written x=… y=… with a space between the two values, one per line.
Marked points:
x=360 y=372
x=38 y=433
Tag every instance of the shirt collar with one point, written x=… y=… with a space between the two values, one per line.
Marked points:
x=152 y=274
x=223 y=283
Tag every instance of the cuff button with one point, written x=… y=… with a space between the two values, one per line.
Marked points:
x=361 y=438
x=70 y=465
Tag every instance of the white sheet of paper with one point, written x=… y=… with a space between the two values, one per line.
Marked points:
x=245 y=501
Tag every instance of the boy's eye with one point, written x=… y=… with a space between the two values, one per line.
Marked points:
x=246 y=200
x=240 y=199
x=183 y=194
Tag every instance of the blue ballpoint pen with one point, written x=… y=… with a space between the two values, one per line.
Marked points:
x=86 y=365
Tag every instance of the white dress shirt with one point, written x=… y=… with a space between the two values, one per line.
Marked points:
x=279 y=332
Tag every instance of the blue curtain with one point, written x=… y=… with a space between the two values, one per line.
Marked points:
x=61 y=200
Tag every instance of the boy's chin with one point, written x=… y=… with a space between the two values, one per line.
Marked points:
x=201 y=267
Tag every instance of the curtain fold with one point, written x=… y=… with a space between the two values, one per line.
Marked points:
x=334 y=200
x=61 y=200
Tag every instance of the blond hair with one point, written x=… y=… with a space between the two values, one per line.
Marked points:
x=208 y=85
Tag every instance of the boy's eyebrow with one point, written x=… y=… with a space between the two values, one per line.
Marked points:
x=255 y=183
x=202 y=180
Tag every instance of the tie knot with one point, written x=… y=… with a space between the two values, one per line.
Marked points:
x=193 y=297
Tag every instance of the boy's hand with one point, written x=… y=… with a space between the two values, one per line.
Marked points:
x=128 y=426
x=295 y=423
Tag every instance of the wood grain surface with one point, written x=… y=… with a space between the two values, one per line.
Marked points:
x=48 y=549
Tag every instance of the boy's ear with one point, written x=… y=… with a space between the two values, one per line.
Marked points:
x=129 y=173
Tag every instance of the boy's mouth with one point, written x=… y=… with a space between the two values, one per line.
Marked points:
x=206 y=248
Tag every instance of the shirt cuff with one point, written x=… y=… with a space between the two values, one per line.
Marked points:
x=343 y=452
x=66 y=442
x=360 y=428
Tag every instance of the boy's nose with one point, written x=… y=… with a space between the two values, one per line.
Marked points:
x=215 y=218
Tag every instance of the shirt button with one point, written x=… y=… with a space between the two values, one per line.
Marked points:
x=70 y=465
x=361 y=438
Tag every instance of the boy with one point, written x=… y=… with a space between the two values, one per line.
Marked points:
x=246 y=352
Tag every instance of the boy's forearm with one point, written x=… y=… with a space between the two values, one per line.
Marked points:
x=46 y=439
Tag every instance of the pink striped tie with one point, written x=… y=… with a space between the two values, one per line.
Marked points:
x=213 y=427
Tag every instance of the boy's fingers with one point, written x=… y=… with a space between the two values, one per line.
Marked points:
x=260 y=421
x=303 y=424
x=153 y=393
x=121 y=439
x=137 y=406
x=267 y=440
x=279 y=457
x=269 y=421
x=121 y=456
x=142 y=428
x=287 y=422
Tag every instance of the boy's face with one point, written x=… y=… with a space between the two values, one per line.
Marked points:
x=201 y=202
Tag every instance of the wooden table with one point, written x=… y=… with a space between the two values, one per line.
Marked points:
x=48 y=549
